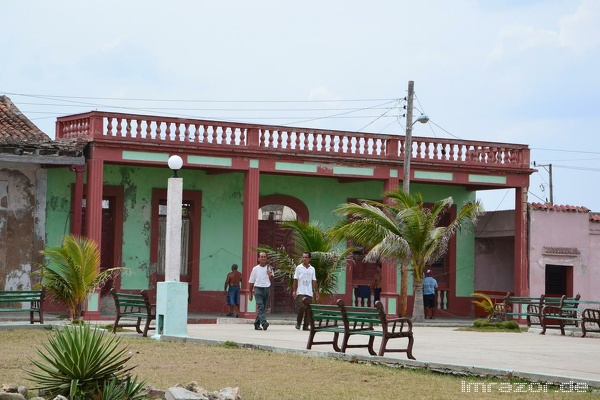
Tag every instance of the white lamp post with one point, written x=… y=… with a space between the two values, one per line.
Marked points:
x=172 y=295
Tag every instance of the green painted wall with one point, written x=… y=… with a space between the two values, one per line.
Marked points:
x=221 y=229
x=222 y=215
x=58 y=205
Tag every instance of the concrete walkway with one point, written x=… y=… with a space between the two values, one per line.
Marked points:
x=548 y=358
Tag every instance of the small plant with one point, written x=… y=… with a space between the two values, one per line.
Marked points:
x=485 y=303
x=230 y=344
x=484 y=324
x=81 y=363
x=73 y=272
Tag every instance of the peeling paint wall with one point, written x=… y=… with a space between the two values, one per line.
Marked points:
x=22 y=205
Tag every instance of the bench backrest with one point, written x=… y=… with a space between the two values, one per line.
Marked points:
x=359 y=317
x=140 y=301
x=35 y=297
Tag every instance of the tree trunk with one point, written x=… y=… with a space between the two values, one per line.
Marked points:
x=403 y=288
x=418 y=309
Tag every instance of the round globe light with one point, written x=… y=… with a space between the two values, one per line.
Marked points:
x=175 y=163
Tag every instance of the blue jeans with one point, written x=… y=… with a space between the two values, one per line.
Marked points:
x=261 y=295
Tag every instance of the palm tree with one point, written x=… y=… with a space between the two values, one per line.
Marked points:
x=403 y=229
x=73 y=272
x=327 y=261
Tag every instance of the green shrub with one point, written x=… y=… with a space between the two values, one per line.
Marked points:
x=504 y=325
x=83 y=363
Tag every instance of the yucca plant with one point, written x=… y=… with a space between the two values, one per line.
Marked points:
x=84 y=363
x=73 y=272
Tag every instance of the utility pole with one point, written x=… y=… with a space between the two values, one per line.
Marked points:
x=549 y=170
x=408 y=137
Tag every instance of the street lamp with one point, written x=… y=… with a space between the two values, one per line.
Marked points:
x=175 y=163
x=172 y=295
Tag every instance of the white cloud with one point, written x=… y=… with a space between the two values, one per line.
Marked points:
x=581 y=30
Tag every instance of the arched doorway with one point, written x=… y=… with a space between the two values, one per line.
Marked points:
x=273 y=211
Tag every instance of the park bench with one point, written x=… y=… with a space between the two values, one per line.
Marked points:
x=349 y=321
x=137 y=306
x=590 y=316
x=528 y=308
x=10 y=301
x=572 y=312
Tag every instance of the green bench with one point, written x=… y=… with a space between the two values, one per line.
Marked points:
x=351 y=321
x=572 y=312
x=132 y=305
x=10 y=301
x=529 y=308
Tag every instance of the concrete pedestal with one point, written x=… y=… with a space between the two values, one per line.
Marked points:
x=171 y=309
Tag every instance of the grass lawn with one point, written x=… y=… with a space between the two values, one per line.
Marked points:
x=261 y=374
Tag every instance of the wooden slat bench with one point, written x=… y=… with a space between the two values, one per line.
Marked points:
x=324 y=318
x=590 y=316
x=131 y=305
x=586 y=313
x=349 y=321
x=35 y=298
x=529 y=308
x=557 y=316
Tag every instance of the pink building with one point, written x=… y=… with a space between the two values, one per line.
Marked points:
x=563 y=252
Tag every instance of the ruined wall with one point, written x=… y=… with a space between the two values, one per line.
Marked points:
x=22 y=204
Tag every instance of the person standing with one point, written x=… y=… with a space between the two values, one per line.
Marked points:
x=260 y=284
x=376 y=286
x=233 y=283
x=305 y=285
x=429 y=286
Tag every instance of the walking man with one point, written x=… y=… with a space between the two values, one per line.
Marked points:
x=429 y=286
x=233 y=282
x=260 y=283
x=305 y=284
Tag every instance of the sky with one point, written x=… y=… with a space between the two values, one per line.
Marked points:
x=513 y=71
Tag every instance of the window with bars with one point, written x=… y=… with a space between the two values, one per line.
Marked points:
x=185 y=237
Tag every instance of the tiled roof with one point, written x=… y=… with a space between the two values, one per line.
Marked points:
x=15 y=128
x=555 y=207
x=595 y=217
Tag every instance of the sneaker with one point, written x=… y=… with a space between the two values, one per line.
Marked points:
x=265 y=326
x=306 y=328
x=298 y=326
x=257 y=327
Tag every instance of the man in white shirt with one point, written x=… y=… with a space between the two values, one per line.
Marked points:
x=260 y=283
x=305 y=284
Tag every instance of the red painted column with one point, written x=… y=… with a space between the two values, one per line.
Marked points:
x=77 y=204
x=250 y=234
x=521 y=268
x=389 y=270
x=93 y=219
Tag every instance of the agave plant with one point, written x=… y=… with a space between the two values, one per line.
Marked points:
x=84 y=363
x=327 y=261
x=73 y=272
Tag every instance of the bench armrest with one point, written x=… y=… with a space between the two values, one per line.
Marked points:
x=399 y=324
